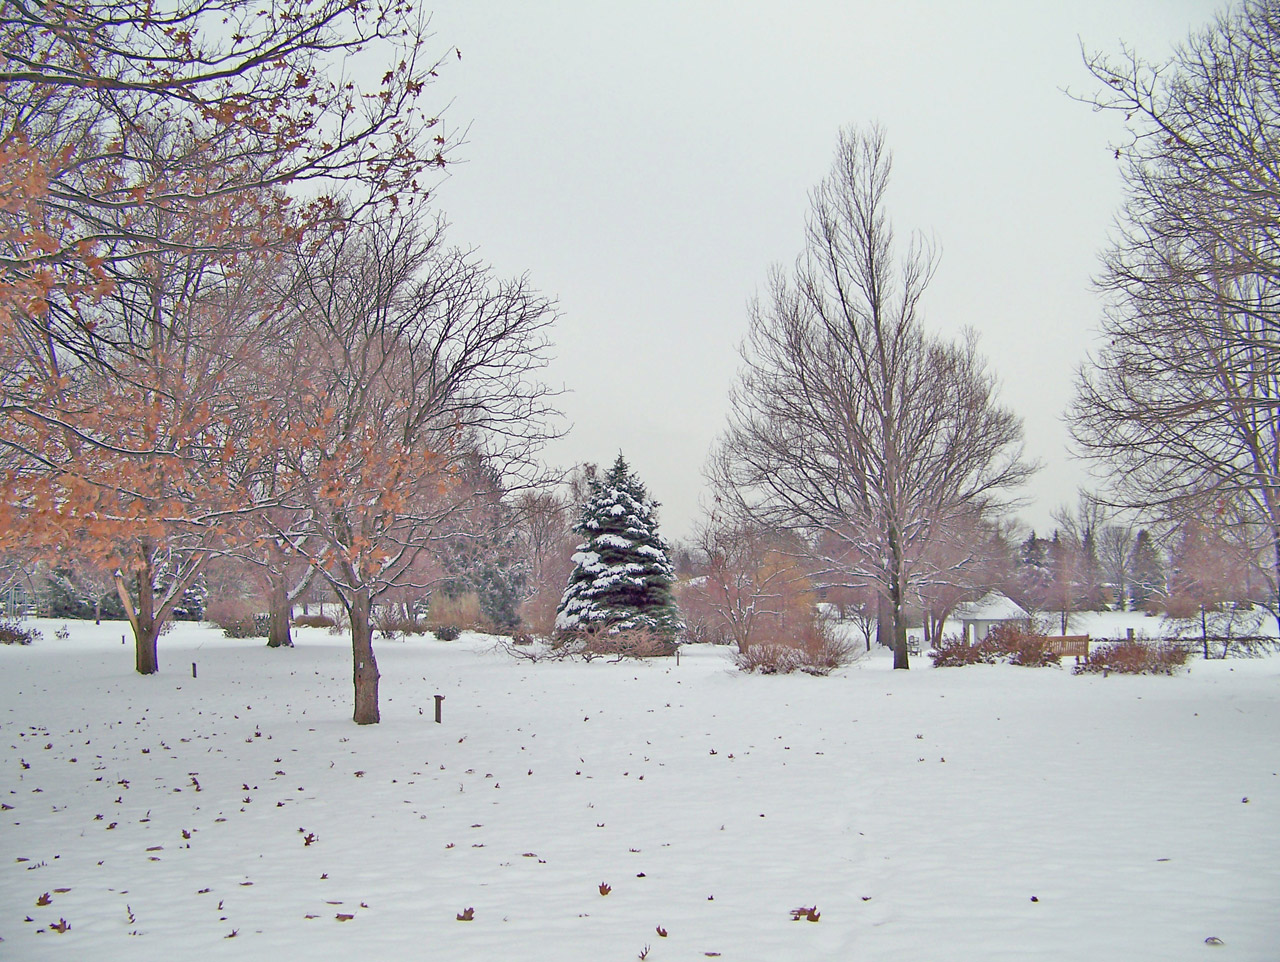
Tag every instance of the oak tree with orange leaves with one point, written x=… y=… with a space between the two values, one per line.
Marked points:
x=156 y=163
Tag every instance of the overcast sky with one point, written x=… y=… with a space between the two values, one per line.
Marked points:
x=647 y=163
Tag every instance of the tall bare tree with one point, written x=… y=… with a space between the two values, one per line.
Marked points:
x=851 y=422
x=1115 y=551
x=1182 y=400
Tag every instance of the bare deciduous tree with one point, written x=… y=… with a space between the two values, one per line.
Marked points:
x=410 y=360
x=852 y=423
x=1115 y=550
x=1182 y=401
x=543 y=526
x=750 y=581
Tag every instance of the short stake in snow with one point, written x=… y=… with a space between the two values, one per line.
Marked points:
x=439 y=699
x=193 y=669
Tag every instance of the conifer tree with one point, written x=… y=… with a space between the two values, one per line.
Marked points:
x=622 y=577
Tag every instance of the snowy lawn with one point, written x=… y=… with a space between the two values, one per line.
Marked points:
x=980 y=813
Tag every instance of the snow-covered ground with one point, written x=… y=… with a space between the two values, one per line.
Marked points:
x=982 y=813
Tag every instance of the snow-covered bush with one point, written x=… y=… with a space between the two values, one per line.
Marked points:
x=955 y=652
x=1023 y=646
x=777 y=658
x=814 y=649
x=1134 y=658
x=1009 y=643
x=13 y=633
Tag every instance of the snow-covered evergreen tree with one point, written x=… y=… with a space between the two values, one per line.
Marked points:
x=622 y=576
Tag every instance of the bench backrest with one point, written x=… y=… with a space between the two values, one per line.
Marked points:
x=1077 y=645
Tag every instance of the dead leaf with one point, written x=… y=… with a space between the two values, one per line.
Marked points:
x=467 y=915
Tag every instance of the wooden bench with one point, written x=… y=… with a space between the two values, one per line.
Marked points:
x=1070 y=645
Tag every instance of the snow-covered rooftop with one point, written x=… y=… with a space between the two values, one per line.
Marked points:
x=993 y=606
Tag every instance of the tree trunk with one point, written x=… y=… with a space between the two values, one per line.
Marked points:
x=364 y=668
x=142 y=618
x=884 y=622
x=896 y=591
x=900 y=658
x=280 y=615
x=1275 y=544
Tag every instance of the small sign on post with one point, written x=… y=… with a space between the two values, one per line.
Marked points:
x=439 y=699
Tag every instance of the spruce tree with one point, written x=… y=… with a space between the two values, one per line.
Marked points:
x=622 y=576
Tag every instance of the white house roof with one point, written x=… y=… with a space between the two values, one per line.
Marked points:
x=993 y=606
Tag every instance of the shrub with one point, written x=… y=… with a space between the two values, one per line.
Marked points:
x=13 y=633
x=955 y=652
x=1022 y=645
x=538 y=611
x=777 y=658
x=1134 y=658
x=447 y=632
x=238 y=618
x=1009 y=643
x=314 y=621
x=601 y=642
x=257 y=625
x=632 y=643
x=770 y=658
x=394 y=622
x=817 y=651
x=448 y=611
